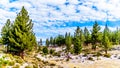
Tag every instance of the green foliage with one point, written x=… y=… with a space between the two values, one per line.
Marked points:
x=11 y=63
x=52 y=51
x=77 y=41
x=90 y=58
x=19 y=35
x=77 y=46
x=16 y=66
x=51 y=41
x=107 y=55
x=106 y=43
x=68 y=42
x=40 y=42
x=45 y=50
x=56 y=54
x=87 y=36
x=28 y=66
x=95 y=35
x=60 y=40
x=47 y=42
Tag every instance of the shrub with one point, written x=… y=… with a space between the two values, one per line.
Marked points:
x=5 y=62
x=57 y=54
x=52 y=51
x=107 y=55
x=97 y=54
x=45 y=50
x=19 y=61
x=67 y=59
x=29 y=66
x=11 y=63
x=52 y=64
x=90 y=58
x=16 y=66
x=35 y=66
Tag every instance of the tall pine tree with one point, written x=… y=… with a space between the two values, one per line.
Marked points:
x=95 y=35
x=68 y=42
x=5 y=34
x=106 y=43
x=87 y=36
x=77 y=41
x=21 y=36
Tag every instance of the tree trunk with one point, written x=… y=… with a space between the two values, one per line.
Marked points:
x=105 y=51
x=22 y=54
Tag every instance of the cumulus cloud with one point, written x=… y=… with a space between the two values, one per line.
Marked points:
x=47 y=14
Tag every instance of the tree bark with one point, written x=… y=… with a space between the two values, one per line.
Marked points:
x=105 y=51
x=22 y=54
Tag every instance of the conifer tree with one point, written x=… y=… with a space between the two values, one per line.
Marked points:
x=47 y=42
x=68 y=42
x=77 y=45
x=95 y=35
x=5 y=34
x=51 y=40
x=77 y=41
x=40 y=42
x=21 y=36
x=87 y=36
x=106 y=43
x=82 y=38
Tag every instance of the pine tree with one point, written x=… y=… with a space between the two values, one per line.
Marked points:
x=106 y=43
x=77 y=45
x=45 y=50
x=5 y=34
x=77 y=41
x=68 y=42
x=47 y=42
x=21 y=36
x=60 y=40
x=82 y=38
x=95 y=35
x=87 y=36
x=51 y=41
x=77 y=32
x=40 y=42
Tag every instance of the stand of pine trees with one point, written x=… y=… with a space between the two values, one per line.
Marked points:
x=19 y=36
x=99 y=39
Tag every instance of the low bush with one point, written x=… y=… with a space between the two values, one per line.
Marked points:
x=56 y=54
x=29 y=66
x=16 y=66
x=107 y=55
x=11 y=63
x=90 y=58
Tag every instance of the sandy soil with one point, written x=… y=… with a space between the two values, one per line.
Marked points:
x=112 y=62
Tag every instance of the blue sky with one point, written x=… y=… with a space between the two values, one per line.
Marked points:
x=53 y=17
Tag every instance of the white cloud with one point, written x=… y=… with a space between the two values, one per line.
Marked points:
x=40 y=12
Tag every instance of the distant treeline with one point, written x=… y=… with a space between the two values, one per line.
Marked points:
x=104 y=39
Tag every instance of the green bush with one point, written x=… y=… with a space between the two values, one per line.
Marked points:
x=20 y=61
x=107 y=55
x=29 y=66
x=67 y=59
x=11 y=63
x=52 y=64
x=45 y=50
x=56 y=54
x=35 y=66
x=97 y=54
x=16 y=66
x=52 y=51
x=5 y=62
x=90 y=58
